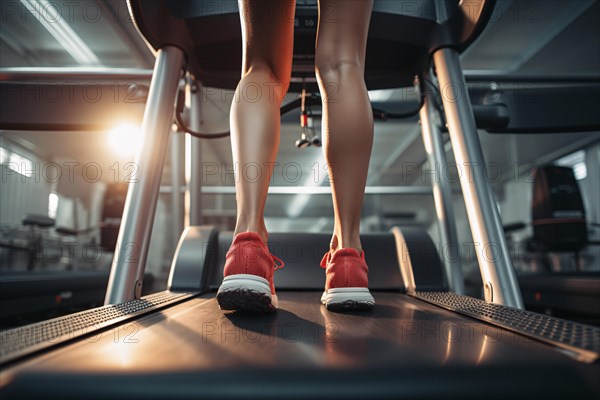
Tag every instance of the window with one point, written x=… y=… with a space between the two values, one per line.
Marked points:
x=52 y=205
x=16 y=162
x=576 y=161
x=3 y=155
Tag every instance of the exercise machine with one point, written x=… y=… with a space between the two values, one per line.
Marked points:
x=422 y=340
x=559 y=227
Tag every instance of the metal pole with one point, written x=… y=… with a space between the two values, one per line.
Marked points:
x=320 y=190
x=442 y=194
x=499 y=279
x=196 y=158
x=129 y=262
x=177 y=200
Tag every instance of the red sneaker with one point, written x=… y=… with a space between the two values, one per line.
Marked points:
x=248 y=276
x=346 y=287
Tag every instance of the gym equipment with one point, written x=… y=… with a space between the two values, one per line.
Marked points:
x=557 y=211
x=35 y=222
x=559 y=226
x=572 y=295
x=179 y=29
x=32 y=296
x=308 y=136
x=420 y=341
x=40 y=295
x=181 y=339
x=112 y=211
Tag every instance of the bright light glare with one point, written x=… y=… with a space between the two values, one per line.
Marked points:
x=381 y=95
x=20 y=164
x=52 y=205
x=300 y=201
x=125 y=140
x=576 y=161
x=3 y=155
x=580 y=171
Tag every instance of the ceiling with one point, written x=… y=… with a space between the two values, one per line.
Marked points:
x=536 y=38
x=555 y=37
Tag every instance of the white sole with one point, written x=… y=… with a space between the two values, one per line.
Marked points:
x=351 y=298
x=246 y=292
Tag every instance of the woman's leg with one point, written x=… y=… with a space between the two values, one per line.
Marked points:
x=347 y=115
x=268 y=38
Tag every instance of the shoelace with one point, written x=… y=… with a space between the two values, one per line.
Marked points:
x=275 y=260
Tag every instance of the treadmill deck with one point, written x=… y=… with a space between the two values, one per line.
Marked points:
x=404 y=345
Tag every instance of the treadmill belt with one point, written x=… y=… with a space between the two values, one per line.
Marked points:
x=405 y=346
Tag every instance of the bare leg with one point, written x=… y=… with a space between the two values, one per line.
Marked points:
x=267 y=30
x=347 y=116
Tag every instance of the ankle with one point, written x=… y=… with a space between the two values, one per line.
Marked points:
x=341 y=243
x=357 y=248
x=260 y=232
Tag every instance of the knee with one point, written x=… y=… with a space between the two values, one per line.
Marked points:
x=267 y=79
x=330 y=66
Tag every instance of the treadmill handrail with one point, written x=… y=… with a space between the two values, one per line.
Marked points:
x=129 y=262
x=497 y=272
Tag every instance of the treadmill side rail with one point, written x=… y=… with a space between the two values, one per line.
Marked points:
x=196 y=249
x=420 y=265
x=32 y=338
x=580 y=340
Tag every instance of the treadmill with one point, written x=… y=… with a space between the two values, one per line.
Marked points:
x=422 y=340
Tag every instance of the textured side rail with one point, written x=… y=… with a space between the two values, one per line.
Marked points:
x=584 y=340
x=24 y=340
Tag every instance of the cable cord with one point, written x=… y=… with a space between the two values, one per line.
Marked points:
x=437 y=100
x=377 y=113
x=183 y=126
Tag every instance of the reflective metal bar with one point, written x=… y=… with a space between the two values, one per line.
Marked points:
x=54 y=74
x=65 y=74
x=390 y=190
x=442 y=194
x=127 y=273
x=196 y=157
x=500 y=283
x=177 y=150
